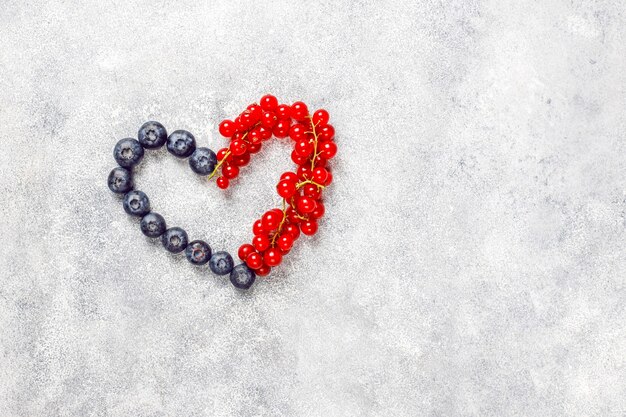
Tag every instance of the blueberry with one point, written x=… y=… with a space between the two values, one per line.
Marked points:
x=152 y=135
x=221 y=263
x=136 y=203
x=174 y=239
x=242 y=277
x=120 y=180
x=128 y=152
x=198 y=252
x=152 y=225
x=203 y=161
x=181 y=143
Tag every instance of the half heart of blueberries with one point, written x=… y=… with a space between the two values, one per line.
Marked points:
x=182 y=144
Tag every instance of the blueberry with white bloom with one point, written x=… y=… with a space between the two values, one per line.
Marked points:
x=174 y=239
x=221 y=263
x=120 y=180
x=128 y=152
x=181 y=143
x=153 y=225
x=203 y=161
x=198 y=252
x=136 y=203
x=242 y=277
x=152 y=135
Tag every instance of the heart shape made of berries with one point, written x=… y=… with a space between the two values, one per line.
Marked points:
x=277 y=230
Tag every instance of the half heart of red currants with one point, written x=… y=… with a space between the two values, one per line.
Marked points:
x=301 y=190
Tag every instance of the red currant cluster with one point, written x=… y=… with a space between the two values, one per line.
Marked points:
x=301 y=191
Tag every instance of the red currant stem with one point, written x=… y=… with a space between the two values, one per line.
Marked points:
x=219 y=164
x=314 y=131
x=243 y=137
x=293 y=204
x=303 y=183
x=282 y=222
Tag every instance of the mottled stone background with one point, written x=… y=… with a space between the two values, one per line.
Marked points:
x=472 y=262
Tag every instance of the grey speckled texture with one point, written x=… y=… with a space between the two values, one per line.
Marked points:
x=473 y=261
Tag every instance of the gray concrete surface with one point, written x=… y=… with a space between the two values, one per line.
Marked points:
x=473 y=260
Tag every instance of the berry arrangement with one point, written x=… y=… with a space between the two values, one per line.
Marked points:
x=277 y=230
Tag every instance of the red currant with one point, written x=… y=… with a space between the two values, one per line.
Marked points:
x=245 y=250
x=238 y=147
x=304 y=172
x=263 y=271
x=221 y=154
x=329 y=179
x=254 y=260
x=257 y=228
x=265 y=132
x=319 y=175
x=271 y=220
x=328 y=149
x=255 y=136
x=289 y=176
x=320 y=117
x=272 y=257
x=239 y=125
x=293 y=230
x=281 y=130
x=261 y=242
x=230 y=171
x=227 y=128
x=292 y=216
x=297 y=132
x=241 y=160
x=247 y=119
x=299 y=111
x=222 y=182
x=286 y=189
x=268 y=119
x=254 y=148
x=309 y=227
x=326 y=132
x=283 y=111
x=297 y=159
x=305 y=205
x=319 y=210
x=255 y=111
x=304 y=148
x=320 y=161
x=285 y=242
x=311 y=190
x=268 y=102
